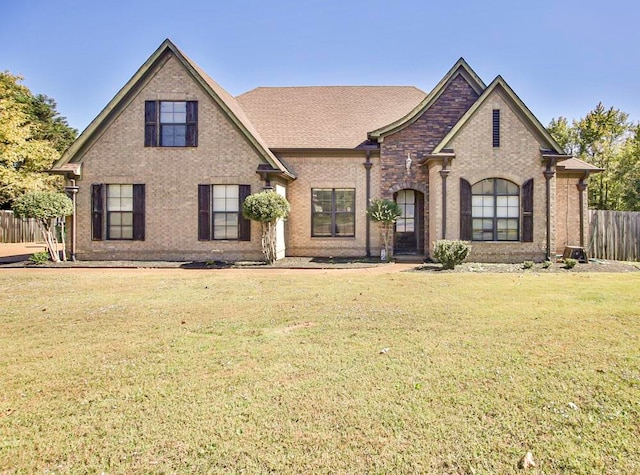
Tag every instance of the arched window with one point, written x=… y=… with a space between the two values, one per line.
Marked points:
x=495 y=210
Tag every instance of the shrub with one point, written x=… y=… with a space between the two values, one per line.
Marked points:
x=569 y=263
x=44 y=207
x=266 y=207
x=546 y=264
x=385 y=212
x=451 y=253
x=527 y=265
x=39 y=257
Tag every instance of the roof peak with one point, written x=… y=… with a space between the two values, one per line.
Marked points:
x=460 y=68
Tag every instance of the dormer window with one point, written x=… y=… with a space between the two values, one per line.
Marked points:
x=171 y=124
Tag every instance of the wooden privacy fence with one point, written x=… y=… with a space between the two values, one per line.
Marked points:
x=614 y=235
x=14 y=229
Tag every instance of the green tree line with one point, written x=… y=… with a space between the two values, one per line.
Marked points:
x=33 y=135
x=607 y=139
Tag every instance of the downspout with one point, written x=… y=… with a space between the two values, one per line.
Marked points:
x=444 y=173
x=73 y=191
x=548 y=175
x=367 y=167
x=582 y=186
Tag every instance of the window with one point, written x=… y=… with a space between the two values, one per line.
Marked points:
x=119 y=211
x=226 y=207
x=121 y=207
x=406 y=200
x=220 y=213
x=171 y=124
x=496 y=127
x=333 y=212
x=495 y=210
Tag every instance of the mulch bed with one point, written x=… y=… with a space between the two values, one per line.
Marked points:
x=594 y=265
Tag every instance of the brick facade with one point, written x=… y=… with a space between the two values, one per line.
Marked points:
x=417 y=140
x=171 y=176
x=517 y=159
x=329 y=170
x=229 y=152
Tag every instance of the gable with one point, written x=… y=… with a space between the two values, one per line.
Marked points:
x=427 y=129
x=221 y=146
x=499 y=88
x=459 y=77
x=195 y=77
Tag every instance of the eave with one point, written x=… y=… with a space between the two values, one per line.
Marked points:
x=69 y=170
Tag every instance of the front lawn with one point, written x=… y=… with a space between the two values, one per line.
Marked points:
x=137 y=371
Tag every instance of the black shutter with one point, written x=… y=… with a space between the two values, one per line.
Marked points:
x=244 y=224
x=138 y=212
x=204 y=206
x=466 y=228
x=150 y=124
x=527 y=211
x=97 y=212
x=192 y=124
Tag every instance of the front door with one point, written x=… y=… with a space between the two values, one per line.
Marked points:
x=406 y=231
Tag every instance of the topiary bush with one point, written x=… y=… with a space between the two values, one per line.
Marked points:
x=266 y=207
x=451 y=253
x=385 y=212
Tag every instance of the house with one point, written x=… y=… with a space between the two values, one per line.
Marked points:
x=163 y=170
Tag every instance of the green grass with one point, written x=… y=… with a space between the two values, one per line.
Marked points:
x=262 y=371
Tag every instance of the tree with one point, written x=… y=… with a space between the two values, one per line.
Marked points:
x=32 y=136
x=48 y=124
x=605 y=138
x=385 y=212
x=563 y=133
x=45 y=207
x=600 y=137
x=628 y=172
x=266 y=207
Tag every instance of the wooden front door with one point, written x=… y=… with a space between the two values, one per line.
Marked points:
x=405 y=239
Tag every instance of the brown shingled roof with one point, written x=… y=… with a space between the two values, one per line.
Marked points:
x=575 y=164
x=325 y=116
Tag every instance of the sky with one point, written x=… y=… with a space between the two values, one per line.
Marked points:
x=560 y=57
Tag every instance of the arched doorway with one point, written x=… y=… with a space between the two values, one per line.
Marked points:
x=408 y=238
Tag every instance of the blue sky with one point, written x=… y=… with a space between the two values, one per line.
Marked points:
x=560 y=57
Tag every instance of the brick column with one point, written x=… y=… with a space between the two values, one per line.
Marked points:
x=549 y=173
x=582 y=186
x=444 y=173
